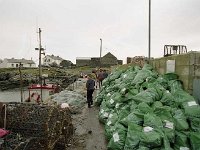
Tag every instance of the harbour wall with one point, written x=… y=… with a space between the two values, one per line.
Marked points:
x=187 y=66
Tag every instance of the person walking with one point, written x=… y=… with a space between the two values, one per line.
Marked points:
x=94 y=73
x=90 y=84
x=105 y=74
x=100 y=77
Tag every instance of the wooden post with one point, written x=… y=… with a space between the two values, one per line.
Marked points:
x=21 y=82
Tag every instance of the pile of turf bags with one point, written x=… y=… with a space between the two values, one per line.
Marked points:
x=147 y=111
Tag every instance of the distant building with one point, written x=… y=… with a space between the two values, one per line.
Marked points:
x=83 y=61
x=14 y=63
x=48 y=60
x=106 y=61
x=51 y=60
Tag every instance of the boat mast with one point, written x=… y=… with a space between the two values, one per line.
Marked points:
x=41 y=51
x=40 y=46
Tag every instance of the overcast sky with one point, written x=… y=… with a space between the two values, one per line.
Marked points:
x=73 y=28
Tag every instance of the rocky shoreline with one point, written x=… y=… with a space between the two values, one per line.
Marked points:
x=11 y=79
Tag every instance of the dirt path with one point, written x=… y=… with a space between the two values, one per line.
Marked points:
x=95 y=140
x=89 y=133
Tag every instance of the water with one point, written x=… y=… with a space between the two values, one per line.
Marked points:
x=13 y=95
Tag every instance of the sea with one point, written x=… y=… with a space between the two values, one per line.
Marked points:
x=13 y=95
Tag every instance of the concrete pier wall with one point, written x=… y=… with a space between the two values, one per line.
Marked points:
x=187 y=66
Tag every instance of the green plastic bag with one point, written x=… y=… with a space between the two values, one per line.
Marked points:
x=156 y=104
x=175 y=85
x=128 y=76
x=147 y=67
x=117 y=141
x=129 y=96
x=195 y=140
x=113 y=99
x=112 y=119
x=115 y=75
x=180 y=121
x=148 y=96
x=123 y=112
x=132 y=118
x=109 y=131
x=150 y=139
x=182 y=96
x=143 y=148
x=195 y=124
x=164 y=113
x=142 y=75
x=144 y=108
x=168 y=99
x=116 y=97
x=161 y=81
x=170 y=76
x=133 y=91
x=133 y=105
x=170 y=134
x=192 y=109
x=166 y=144
x=98 y=100
x=133 y=137
x=181 y=140
x=118 y=81
x=103 y=113
x=152 y=120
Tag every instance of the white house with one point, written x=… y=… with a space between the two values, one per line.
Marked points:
x=50 y=59
x=14 y=63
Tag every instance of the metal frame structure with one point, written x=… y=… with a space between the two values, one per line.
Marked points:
x=174 y=50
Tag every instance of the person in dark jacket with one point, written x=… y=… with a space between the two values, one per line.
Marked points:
x=90 y=84
x=100 y=77
x=105 y=74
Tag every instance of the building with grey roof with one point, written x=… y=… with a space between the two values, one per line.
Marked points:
x=14 y=63
x=105 y=61
x=48 y=60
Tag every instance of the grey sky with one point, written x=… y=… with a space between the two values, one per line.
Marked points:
x=73 y=28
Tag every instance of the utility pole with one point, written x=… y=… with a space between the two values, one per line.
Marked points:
x=100 y=53
x=21 y=82
x=41 y=51
x=149 y=53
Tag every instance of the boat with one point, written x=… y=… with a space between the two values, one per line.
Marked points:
x=38 y=93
